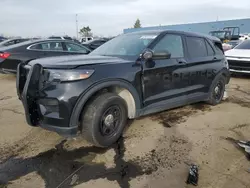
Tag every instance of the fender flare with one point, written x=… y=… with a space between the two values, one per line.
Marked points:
x=224 y=72
x=86 y=95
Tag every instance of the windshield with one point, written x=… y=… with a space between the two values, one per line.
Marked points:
x=244 y=45
x=219 y=34
x=125 y=45
x=233 y=44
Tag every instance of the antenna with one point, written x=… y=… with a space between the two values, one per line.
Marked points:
x=76 y=27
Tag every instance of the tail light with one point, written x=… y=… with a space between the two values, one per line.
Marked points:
x=4 y=55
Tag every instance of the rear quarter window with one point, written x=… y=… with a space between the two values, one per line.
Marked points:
x=218 y=48
x=210 y=50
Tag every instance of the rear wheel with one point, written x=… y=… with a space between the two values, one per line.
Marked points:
x=217 y=91
x=104 y=119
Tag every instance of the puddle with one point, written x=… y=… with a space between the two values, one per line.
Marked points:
x=173 y=117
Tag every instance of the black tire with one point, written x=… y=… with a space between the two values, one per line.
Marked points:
x=214 y=96
x=97 y=119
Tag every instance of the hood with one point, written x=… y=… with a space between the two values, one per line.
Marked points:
x=238 y=53
x=73 y=61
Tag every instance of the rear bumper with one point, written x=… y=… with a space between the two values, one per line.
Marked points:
x=240 y=71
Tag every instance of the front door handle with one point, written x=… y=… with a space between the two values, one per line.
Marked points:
x=182 y=62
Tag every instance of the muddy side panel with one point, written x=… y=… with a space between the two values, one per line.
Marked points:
x=29 y=95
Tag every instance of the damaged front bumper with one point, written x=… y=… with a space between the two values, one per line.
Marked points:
x=40 y=109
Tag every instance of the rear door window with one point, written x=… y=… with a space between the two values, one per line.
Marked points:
x=48 y=46
x=218 y=48
x=196 y=47
x=70 y=47
x=10 y=43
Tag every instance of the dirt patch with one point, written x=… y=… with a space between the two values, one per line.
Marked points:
x=5 y=98
x=59 y=167
x=201 y=107
x=2 y=185
x=240 y=126
x=7 y=77
x=239 y=101
x=165 y=157
x=12 y=110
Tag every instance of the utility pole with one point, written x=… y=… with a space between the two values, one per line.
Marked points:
x=76 y=27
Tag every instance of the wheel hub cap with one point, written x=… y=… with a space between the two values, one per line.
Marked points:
x=109 y=120
x=217 y=89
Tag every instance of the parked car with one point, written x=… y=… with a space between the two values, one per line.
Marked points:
x=12 y=55
x=230 y=45
x=12 y=41
x=223 y=35
x=63 y=38
x=93 y=44
x=2 y=39
x=85 y=39
x=130 y=76
x=239 y=58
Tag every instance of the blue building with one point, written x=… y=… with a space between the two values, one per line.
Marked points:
x=205 y=28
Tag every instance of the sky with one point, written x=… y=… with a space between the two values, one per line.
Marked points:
x=109 y=17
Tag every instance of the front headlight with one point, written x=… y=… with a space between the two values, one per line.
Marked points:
x=69 y=75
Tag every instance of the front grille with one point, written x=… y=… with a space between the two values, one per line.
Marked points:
x=239 y=65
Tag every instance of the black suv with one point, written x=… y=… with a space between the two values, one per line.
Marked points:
x=130 y=76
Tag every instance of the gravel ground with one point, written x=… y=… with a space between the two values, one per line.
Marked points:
x=154 y=152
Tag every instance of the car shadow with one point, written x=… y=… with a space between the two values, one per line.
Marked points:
x=56 y=165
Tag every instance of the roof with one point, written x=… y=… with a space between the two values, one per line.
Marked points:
x=29 y=42
x=175 y=32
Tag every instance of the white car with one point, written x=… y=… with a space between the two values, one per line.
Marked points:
x=239 y=58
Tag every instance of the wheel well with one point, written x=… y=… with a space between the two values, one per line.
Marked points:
x=123 y=93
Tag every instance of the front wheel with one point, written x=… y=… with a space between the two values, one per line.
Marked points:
x=104 y=119
x=217 y=91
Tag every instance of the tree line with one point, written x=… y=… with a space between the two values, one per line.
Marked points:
x=86 y=31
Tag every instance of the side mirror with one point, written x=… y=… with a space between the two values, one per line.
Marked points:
x=147 y=55
x=162 y=55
